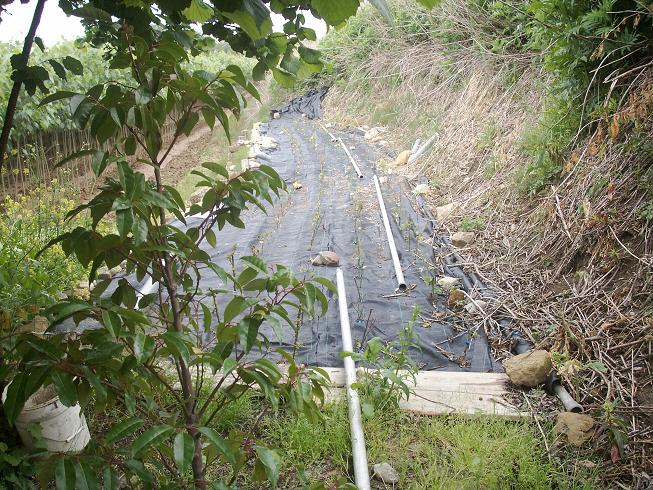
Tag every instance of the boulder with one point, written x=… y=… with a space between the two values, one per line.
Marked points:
x=386 y=473
x=528 y=369
x=402 y=158
x=456 y=297
x=448 y=283
x=327 y=259
x=463 y=238
x=577 y=427
x=442 y=213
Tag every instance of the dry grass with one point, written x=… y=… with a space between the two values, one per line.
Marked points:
x=571 y=267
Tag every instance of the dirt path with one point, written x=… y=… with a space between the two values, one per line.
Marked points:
x=183 y=157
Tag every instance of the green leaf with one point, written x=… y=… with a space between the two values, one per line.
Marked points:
x=122 y=429
x=335 y=12
x=255 y=263
x=150 y=438
x=309 y=55
x=143 y=347
x=184 y=450
x=65 y=388
x=86 y=478
x=99 y=162
x=222 y=445
x=73 y=65
x=283 y=78
x=63 y=94
x=39 y=42
x=236 y=306
x=21 y=388
x=74 y=156
x=177 y=344
x=198 y=11
x=429 y=3
x=253 y=17
x=64 y=475
x=271 y=462
x=111 y=479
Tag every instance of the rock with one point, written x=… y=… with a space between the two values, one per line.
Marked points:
x=472 y=308
x=463 y=238
x=196 y=197
x=268 y=143
x=402 y=158
x=442 y=213
x=456 y=297
x=386 y=473
x=296 y=185
x=528 y=369
x=364 y=127
x=448 y=283
x=276 y=115
x=254 y=164
x=577 y=427
x=326 y=258
x=371 y=134
x=421 y=189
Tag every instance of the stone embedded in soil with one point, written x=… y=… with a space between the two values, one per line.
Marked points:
x=442 y=213
x=456 y=297
x=402 y=158
x=448 y=283
x=327 y=259
x=296 y=186
x=463 y=238
x=476 y=308
x=386 y=473
x=276 y=115
x=372 y=133
x=528 y=369
x=577 y=427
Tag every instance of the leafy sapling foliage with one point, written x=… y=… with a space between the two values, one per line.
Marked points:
x=200 y=348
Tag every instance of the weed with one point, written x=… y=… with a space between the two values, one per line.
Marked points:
x=487 y=136
x=472 y=224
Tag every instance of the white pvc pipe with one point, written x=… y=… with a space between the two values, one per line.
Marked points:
x=569 y=403
x=391 y=241
x=344 y=147
x=359 y=453
x=424 y=147
x=415 y=146
x=351 y=159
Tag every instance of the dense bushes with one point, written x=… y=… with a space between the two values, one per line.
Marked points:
x=593 y=54
x=31 y=118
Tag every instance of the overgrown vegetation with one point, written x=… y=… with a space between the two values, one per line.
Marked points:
x=543 y=115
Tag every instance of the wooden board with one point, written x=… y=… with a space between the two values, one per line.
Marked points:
x=440 y=392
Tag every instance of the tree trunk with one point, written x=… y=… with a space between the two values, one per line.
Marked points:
x=15 y=89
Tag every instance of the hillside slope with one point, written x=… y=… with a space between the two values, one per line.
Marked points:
x=547 y=159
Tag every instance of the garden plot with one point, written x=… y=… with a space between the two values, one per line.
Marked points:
x=328 y=208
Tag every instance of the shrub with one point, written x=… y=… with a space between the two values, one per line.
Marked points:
x=28 y=280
